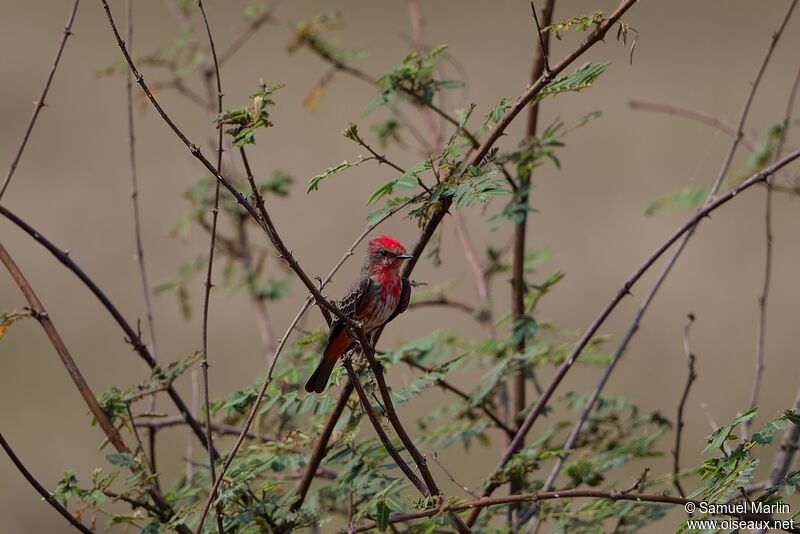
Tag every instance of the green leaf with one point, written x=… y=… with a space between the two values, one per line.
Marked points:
x=686 y=198
x=582 y=78
x=792 y=416
x=122 y=459
x=723 y=433
x=382 y=516
x=313 y=183
x=408 y=180
x=536 y=257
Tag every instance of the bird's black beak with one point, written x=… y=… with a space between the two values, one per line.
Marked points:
x=404 y=256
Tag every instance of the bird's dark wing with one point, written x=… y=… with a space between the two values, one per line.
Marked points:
x=405 y=296
x=349 y=304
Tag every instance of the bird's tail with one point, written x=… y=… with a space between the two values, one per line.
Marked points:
x=336 y=347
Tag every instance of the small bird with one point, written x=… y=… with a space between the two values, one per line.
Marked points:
x=379 y=295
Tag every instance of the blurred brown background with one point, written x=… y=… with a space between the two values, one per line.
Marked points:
x=73 y=185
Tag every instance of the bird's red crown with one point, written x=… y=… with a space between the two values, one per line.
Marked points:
x=387 y=242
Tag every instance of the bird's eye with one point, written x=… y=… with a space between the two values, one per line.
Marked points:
x=384 y=253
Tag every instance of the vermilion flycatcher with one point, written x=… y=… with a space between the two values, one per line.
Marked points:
x=378 y=296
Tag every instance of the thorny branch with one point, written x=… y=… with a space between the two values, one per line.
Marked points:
x=768 y=254
x=209 y=269
x=690 y=378
x=40 y=103
x=373 y=419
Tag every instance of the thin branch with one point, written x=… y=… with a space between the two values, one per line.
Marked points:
x=39 y=104
x=41 y=490
x=544 y=38
x=132 y=336
x=394 y=420
x=387 y=443
x=209 y=269
x=189 y=438
x=321 y=447
x=692 y=376
x=703 y=118
x=265 y=331
x=464 y=487
x=484 y=314
x=137 y=227
x=219 y=428
x=444 y=384
x=443 y=300
x=783 y=459
x=613 y=495
x=517 y=384
x=245 y=36
x=768 y=255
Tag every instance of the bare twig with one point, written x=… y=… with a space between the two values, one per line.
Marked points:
x=768 y=254
x=432 y=488
x=189 y=438
x=710 y=120
x=387 y=443
x=39 y=104
x=321 y=447
x=783 y=459
x=464 y=487
x=265 y=331
x=444 y=384
x=250 y=31
x=41 y=490
x=692 y=376
x=443 y=300
x=137 y=227
x=540 y=68
x=131 y=334
x=484 y=314
x=209 y=268
x=544 y=38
